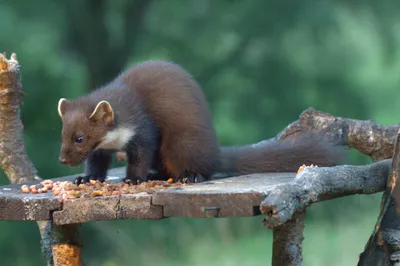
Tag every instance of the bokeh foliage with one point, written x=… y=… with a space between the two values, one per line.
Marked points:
x=260 y=63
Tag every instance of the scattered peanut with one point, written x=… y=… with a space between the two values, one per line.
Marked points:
x=25 y=189
x=94 y=188
x=56 y=191
x=97 y=193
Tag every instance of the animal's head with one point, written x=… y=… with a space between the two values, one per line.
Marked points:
x=82 y=130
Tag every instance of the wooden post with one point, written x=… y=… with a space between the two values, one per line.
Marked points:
x=66 y=248
x=288 y=238
x=17 y=165
x=383 y=246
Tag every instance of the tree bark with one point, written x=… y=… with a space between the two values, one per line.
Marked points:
x=372 y=139
x=288 y=238
x=315 y=184
x=383 y=246
x=376 y=141
x=66 y=247
x=13 y=157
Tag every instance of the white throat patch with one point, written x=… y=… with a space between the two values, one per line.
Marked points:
x=116 y=139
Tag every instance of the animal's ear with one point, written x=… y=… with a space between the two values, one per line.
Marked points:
x=103 y=112
x=62 y=106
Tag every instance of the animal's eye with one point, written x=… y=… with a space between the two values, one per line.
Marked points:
x=79 y=139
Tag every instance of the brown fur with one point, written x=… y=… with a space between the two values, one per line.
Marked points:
x=280 y=155
x=155 y=92
x=174 y=130
x=177 y=105
x=76 y=122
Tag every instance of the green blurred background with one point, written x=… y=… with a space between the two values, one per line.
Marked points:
x=261 y=63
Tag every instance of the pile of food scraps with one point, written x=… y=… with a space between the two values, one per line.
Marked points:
x=69 y=190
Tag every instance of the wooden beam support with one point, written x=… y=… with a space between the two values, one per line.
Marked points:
x=288 y=239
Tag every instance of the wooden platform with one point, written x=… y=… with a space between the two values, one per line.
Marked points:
x=230 y=197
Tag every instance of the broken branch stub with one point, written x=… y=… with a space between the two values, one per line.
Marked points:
x=13 y=157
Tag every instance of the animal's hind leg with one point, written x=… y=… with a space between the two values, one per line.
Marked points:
x=187 y=158
x=158 y=167
x=181 y=170
x=160 y=175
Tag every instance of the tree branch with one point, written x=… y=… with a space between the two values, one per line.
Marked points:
x=366 y=136
x=13 y=157
x=288 y=239
x=315 y=184
x=318 y=184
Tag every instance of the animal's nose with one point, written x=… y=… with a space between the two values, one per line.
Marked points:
x=63 y=160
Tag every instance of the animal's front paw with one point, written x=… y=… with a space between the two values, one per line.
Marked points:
x=133 y=180
x=86 y=179
x=193 y=178
x=81 y=180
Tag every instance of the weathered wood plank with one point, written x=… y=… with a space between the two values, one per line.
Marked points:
x=15 y=205
x=231 y=197
x=137 y=206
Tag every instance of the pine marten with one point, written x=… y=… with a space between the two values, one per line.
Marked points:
x=157 y=114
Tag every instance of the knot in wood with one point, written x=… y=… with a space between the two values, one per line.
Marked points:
x=211 y=212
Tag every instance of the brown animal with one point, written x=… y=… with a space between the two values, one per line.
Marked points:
x=157 y=114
